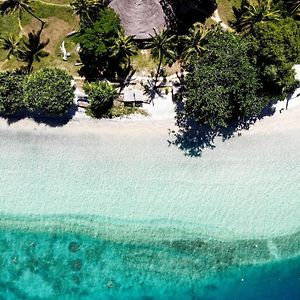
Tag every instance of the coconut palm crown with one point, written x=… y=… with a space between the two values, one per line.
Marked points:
x=161 y=45
x=252 y=12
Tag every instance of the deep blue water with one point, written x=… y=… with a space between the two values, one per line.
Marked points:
x=273 y=281
x=72 y=266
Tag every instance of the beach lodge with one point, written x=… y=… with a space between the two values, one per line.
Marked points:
x=140 y=17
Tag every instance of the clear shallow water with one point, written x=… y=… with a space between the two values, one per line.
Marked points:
x=126 y=217
x=74 y=266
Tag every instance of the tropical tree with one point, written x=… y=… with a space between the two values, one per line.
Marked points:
x=11 y=91
x=101 y=96
x=49 y=91
x=276 y=49
x=223 y=84
x=96 y=42
x=32 y=49
x=193 y=43
x=124 y=48
x=12 y=6
x=161 y=45
x=252 y=12
x=88 y=10
x=10 y=43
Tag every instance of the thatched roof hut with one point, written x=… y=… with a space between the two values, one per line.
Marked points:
x=139 y=17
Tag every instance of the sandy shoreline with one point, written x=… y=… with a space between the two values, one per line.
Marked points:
x=125 y=169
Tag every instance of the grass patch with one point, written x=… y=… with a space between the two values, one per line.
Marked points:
x=59 y=2
x=59 y=22
x=119 y=110
x=225 y=9
x=9 y=24
x=64 y=13
x=143 y=62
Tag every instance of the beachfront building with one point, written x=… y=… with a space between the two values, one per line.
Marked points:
x=140 y=17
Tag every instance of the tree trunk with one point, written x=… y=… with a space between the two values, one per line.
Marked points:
x=158 y=69
x=29 y=66
x=33 y=15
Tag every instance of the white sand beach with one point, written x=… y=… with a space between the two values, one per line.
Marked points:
x=247 y=186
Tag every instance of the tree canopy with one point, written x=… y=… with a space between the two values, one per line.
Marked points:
x=49 y=91
x=223 y=84
x=277 y=48
x=96 y=42
x=11 y=92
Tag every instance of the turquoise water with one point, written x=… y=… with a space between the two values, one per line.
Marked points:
x=73 y=266
x=119 y=214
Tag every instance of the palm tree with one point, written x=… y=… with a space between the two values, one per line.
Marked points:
x=124 y=48
x=193 y=42
x=161 y=48
x=251 y=13
x=32 y=49
x=81 y=8
x=12 y=6
x=10 y=43
x=86 y=9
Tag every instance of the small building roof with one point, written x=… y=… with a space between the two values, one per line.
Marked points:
x=139 y=17
x=133 y=96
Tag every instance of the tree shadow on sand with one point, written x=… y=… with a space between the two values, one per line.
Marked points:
x=39 y=118
x=193 y=138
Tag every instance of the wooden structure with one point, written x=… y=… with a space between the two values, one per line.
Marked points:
x=133 y=97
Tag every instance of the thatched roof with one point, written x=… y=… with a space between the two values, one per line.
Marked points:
x=139 y=17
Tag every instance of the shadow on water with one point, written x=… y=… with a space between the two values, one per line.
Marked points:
x=193 y=138
x=40 y=118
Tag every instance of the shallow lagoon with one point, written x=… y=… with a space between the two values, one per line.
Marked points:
x=73 y=266
x=121 y=214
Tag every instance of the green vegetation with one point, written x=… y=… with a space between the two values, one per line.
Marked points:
x=96 y=43
x=251 y=13
x=119 y=110
x=101 y=96
x=123 y=49
x=223 y=85
x=277 y=48
x=48 y=91
x=225 y=8
x=232 y=76
x=192 y=43
x=11 y=92
x=161 y=45
x=59 y=20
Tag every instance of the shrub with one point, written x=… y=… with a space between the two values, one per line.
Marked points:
x=49 y=91
x=101 y=96
x=11 y=92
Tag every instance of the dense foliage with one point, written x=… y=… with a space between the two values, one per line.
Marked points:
x=96 y=42
x=223 y=83
x=49 y=91
x=277 y=49
x=101 y=96
x=11 y=92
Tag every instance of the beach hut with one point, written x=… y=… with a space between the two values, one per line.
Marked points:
x=139 y=17
x=133 y=98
